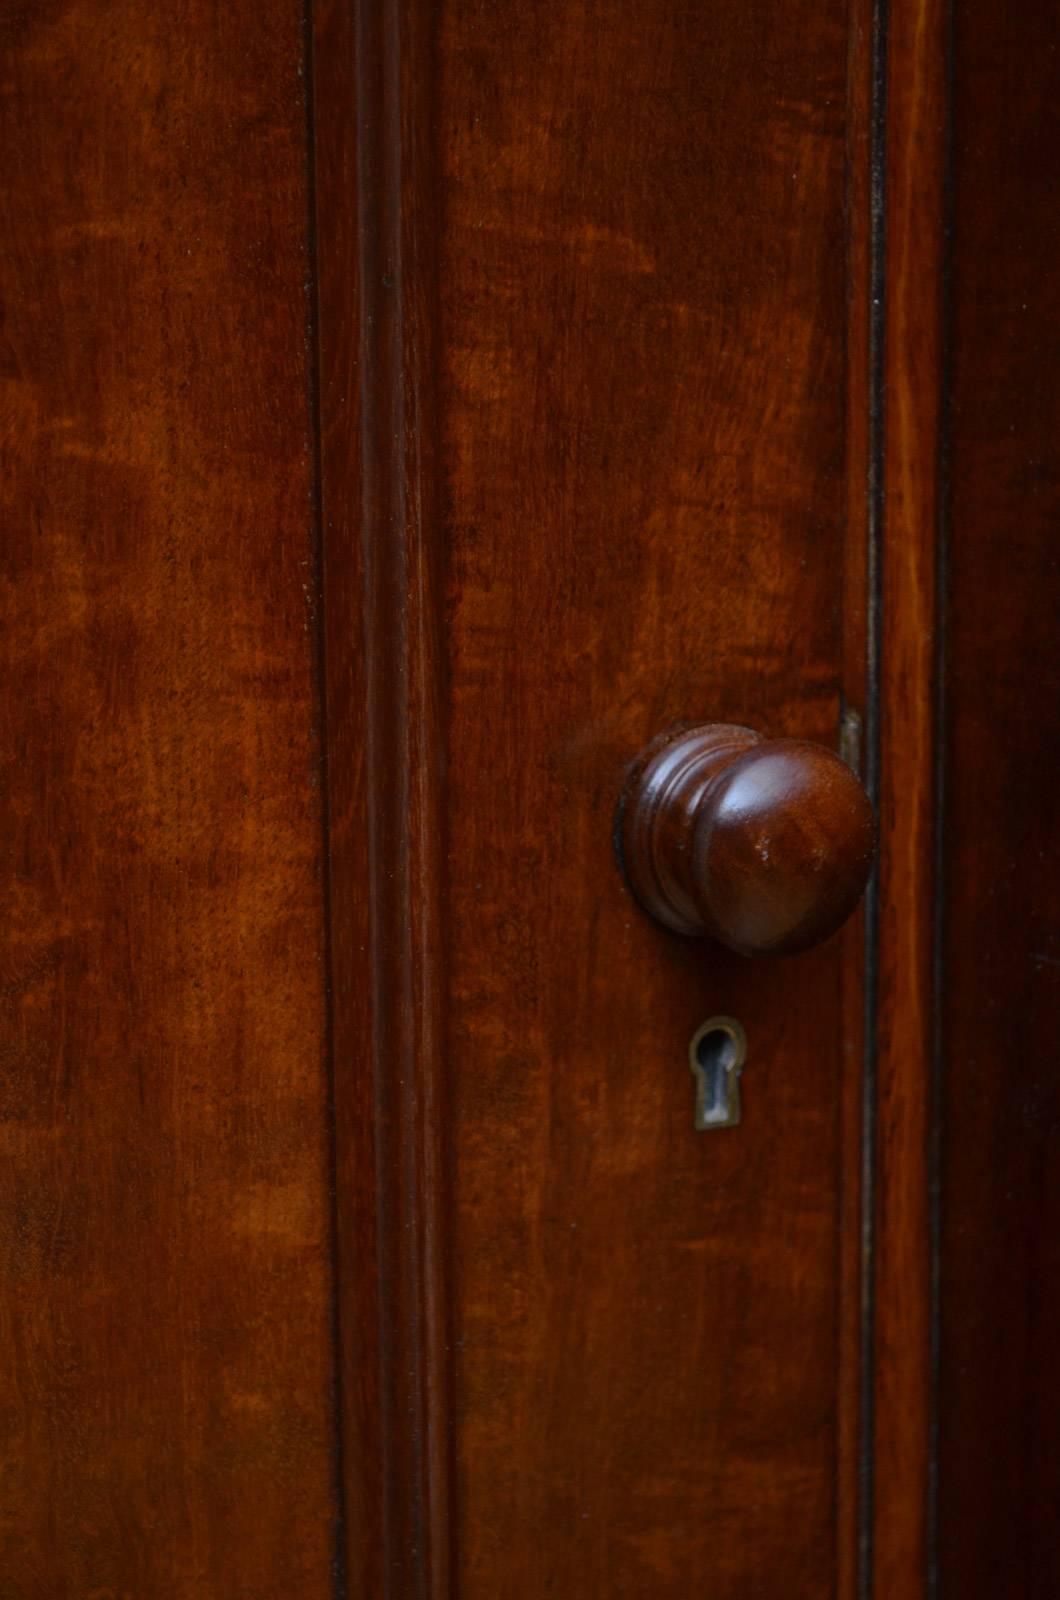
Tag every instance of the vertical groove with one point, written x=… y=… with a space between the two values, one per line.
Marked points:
x=317 y=539
x=942 y=556
x=877 y=442
x=386 y=719
x=374 y=200
x=384 y=635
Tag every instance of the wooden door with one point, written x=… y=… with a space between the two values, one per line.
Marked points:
x=410 y=413
x=585 y=449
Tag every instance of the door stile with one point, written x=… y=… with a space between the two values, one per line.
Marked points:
x=914 y=292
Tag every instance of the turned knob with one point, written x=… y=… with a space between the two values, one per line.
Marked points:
x=763 y=844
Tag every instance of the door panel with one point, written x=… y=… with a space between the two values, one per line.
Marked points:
x=602 y=448
x=164 y=1215
x=643 y=302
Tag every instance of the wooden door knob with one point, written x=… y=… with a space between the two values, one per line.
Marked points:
x=763 y=844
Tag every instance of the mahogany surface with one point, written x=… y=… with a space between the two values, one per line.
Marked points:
x=583 y=341
x=165 y=1287
x=640 y=377
x=906 y=490
x=409 y=409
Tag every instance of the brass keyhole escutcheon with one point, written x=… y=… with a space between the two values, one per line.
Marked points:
x=716 y=1056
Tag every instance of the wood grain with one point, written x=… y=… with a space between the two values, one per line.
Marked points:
x=602 y=268
x=590 y=321
x=165 y=1350
x=915 y=154
x=999 y=1456
x=642 y=286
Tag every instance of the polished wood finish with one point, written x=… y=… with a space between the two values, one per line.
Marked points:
x=408 y=411
x=967 y=1305
x=165 y=1315
x=909 y=450
x=763 y=844
x=638 y=301
x=999 y=1271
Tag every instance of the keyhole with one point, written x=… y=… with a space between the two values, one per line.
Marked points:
x=716 y=1056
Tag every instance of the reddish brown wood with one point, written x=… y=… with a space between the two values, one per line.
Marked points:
x=614 y=390
x=642 y=321
x=763 y=844
x=999 y=1448
x=585 y=331
x=915 y=149
x=165 y=1345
